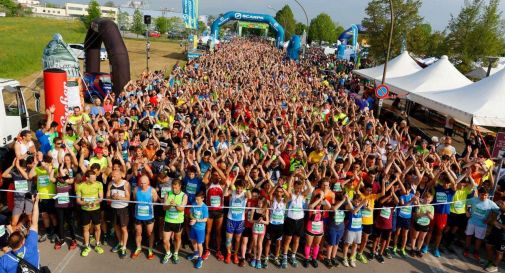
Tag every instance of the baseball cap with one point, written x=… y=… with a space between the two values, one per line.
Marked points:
x=98 y=150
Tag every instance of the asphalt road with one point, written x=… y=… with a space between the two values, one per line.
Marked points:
x=60 y=261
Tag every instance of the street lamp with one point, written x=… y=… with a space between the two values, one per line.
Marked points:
x=392 y=21
x=304 y=36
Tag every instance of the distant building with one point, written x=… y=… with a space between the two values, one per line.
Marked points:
x=28 y=3
x=73 y=10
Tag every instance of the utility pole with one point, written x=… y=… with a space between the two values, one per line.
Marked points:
x=392 y=21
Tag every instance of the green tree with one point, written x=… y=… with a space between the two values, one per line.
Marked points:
x=322 y=28
x=437 y=46
x=10 y=7
x=123 y=20
x=377 y=22
x=286 y=18
x=138 y=26
x=161 y=24
x=93 y=13
x=418 y=39
x=299 y=28
x=201 y=27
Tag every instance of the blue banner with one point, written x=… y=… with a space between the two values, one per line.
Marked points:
x=190 y=13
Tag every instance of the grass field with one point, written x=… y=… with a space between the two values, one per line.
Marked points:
x=23 y=40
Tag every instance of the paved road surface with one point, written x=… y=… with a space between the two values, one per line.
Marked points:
x=70 y=261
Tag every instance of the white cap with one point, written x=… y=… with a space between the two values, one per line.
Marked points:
x=434 y=139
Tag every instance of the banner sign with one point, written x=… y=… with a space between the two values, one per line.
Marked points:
x=499 y=145
x=190 y=13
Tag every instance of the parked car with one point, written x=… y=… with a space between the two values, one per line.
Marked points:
x=154 y=34
x=78 y=50
x=96 y=85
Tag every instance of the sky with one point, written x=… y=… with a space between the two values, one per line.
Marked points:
x=345 y=12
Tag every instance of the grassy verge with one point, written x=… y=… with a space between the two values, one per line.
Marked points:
x=23 y=40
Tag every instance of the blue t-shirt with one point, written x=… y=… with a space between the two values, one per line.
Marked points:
x=191 y=187
x=96 y=110
x=29 y=252
x=199 y=212
x=443 y=196
x=480 y=210
x=45 y=144
x=405 y=212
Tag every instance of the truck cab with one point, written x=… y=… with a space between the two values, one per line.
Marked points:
x=14 y=114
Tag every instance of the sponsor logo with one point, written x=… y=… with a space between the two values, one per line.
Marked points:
x=240 y=16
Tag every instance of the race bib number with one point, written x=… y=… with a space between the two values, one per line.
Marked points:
x=459 y=205
x=63 y=198
x=43 y=180
x=385 y=213
x=2 y=230
x=197 y=214
x=173 y=214
x=367 y=213
x=89 y=199
x=317 y=227
x=356 y=223
x=143 y=210
x=278 y=216
x=337 y=187
x=441 y=197
x=423 y=221
x=21 y=185
x=215 y=201
x=191 y=188
x=480 y=213
x=339 y=217
x=406 y=210
x=258 y=228
x=165 y=191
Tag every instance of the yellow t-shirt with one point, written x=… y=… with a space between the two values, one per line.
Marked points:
x=90 y=193
x=368 y=211
x=459 y=199
x=315 y=156
x=102 y=162
x=45 y=187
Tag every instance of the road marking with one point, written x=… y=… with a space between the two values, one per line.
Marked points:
x=66 y=260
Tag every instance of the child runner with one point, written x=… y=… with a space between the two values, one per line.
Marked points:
x=423 y=216
x=260 y=219
x=199 y=215
x=353 y=229
x=335 y=230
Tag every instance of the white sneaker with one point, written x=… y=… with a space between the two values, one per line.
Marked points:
x=492 y=268
x=345 y=262
x=353 y=263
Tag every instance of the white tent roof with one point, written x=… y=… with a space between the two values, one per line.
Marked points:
x=439 y=76
x=481 y=71
x=482 y=103
x=399 y=66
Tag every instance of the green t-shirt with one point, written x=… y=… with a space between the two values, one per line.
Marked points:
x=459 y=199
x=424 y=220
x=45 y=187
x=173 y=215
x=90 y=193
x=103 y=162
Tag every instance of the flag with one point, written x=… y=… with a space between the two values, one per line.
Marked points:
x=190 y=13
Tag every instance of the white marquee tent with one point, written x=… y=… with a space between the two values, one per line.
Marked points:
x=399 y=66
x=439 y=76
x=481 y=103
x=481 y=71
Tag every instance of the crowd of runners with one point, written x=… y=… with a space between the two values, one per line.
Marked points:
x=252 y=158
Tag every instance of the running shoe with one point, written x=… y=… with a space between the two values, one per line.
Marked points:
x=58 y=244
x=419 y=254
x=116 y=248
x=219 y=256
x=293 y=261
x=394 y=251
x=380 y=259
x=253 y=263
x=85 y=252
x=284 y=263
x=353 y=263
x=43 y=238
x=175 y=258
x=258 y=264
x=425 y=249
x=206 y=254
x=73 y=245
x=199 y=263
x=327 y=262
x=387 y=254
x=235 y=258
x=345 y=262
x=264 y=263
x=466 y=253
x=403 y=253
x=122 y=253
x=334 y=262
x=492 y=268
x=305 y=262
x=314 y=263
x=228 y=258
x=436 y=253
x=476 y=256
x=150 y=255
x=166 y=258
x=99 y=249
x=136 y=253
x=192 y=257
x=360 y=257
x=241 y=262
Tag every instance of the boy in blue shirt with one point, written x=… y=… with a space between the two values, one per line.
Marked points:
x=199 y=214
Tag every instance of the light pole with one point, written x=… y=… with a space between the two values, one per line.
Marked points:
x=392 y=21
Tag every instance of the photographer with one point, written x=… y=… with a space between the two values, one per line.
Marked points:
x=25 y=250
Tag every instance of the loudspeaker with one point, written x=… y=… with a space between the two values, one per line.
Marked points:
x=147 y=19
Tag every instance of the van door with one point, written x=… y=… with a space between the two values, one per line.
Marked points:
x=10 y=115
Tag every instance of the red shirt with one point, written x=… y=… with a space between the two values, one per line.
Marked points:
x=214 y=199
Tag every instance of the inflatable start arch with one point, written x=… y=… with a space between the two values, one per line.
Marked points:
x=106 y=31
x=248 y=17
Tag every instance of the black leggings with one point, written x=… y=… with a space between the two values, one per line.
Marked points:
x=65 y=215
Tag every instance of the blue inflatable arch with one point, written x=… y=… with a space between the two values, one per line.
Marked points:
x=248 y=17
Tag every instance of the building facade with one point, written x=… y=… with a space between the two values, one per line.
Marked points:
x=74 y=10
